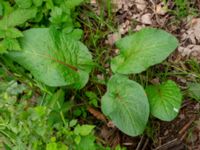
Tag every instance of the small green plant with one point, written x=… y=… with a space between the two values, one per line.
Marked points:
x=126 y=102
x=39 y=127
x=123 y=103
x=182 y=8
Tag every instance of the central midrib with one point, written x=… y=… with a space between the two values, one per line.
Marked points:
x=56 y=60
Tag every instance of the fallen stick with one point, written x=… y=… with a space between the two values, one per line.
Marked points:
x=168 y=144
x=145 y=144
x=140 y=143
x=186 y=126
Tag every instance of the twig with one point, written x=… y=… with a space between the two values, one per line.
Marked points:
x=145 y=144
x=101 y=140
x=185 y=127
x=167 y=145
x=183 y=136
x=97 y=114
x=140 y=143
x=127 y=144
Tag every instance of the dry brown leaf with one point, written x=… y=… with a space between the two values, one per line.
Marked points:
x=124 y=27
x=117 y=4
x=189 y=34
x=197 y=124
x=190 y=51
x=195 y=25
x=136 y=17
x=193 y=32
x=109 y=135
x=100 y=77
x=97 y=114
x=155 y=81
x=141 y=4
x=139 y=27
x=92 y=2
x=112 y=38
x=106 y=133
x=121 y=4
x=146 y=18
x=161 y=9
x=110 y=124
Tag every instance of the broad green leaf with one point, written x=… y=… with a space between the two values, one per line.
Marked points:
x=56 y=100
x=20 y=16
x=62 y=146
x=56 y=146
x=6 y=8
x=143 y=49
x=126 y=103
x=72 y=123
x=2 y=33
x=72 y=3
x=57 y=15
x=13 y=33
x=10 y=33
x=49 y=4
x=1 y=10
x=37 y=3
x=87 y=143
x=194 y=90
x=53 y=58
x=77 y=139
x=92 y=98
x=165 y=100
x=10 y=44
x=76 y=34
x=52 y=146
x=62 y=19
x=24 y=3
x=58 y=2
x=3 y=47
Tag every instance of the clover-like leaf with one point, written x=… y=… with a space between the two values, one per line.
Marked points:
x=143 y=49
x=126 y=103
x=53 y=58
x=165 y=100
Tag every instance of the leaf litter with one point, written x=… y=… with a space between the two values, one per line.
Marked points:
x=190 y=39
